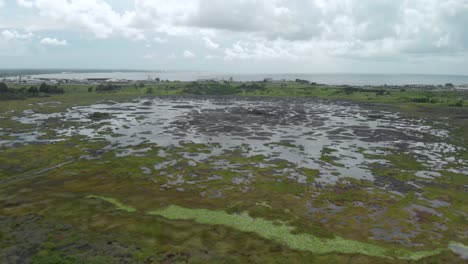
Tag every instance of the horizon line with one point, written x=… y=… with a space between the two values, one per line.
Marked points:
x=222 y=73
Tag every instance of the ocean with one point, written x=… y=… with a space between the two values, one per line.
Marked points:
x=330 y=79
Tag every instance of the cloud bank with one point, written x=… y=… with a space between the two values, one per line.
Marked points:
x=272 y=28
x=244 y=33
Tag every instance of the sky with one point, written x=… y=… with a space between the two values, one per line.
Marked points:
x=238 y=36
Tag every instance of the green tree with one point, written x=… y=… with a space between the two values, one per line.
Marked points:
x=44 y=88
x=3 y=87
x=33 y=90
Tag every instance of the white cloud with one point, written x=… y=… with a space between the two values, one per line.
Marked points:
x=95 y=16
x=278 y=28
x=210 y=44
x=2 y=3
x=160 y=40
x=188 y=54
x=163 y=16
x=15 y=42
x=259 y=49
x=12 y=34
x=26 y=3
x=53 y=42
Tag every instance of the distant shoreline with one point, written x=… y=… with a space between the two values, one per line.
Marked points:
x=355 y=79
x=328 y=79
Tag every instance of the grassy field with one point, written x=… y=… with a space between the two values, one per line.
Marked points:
x=72 y=199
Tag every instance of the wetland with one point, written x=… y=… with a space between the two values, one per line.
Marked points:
x=207 y=173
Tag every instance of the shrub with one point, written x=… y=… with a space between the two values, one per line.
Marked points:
x=49 y=89
x=33 y=90
x=3 y=87
x=457 y=104
x=420 y=100
x=107 y=87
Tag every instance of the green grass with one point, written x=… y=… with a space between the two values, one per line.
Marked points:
x=326 y=157
x=116 y=203
x=404 y=161
x=331 y=160
x=281 y=233
x=54 y=258
x=284 y=144
x=42 y=156
x=407 y=96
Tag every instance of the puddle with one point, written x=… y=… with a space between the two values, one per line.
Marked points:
x=459 y=249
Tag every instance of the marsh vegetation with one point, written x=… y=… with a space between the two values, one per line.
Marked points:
x=255 y=172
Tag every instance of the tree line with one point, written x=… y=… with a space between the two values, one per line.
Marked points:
x=7 y=93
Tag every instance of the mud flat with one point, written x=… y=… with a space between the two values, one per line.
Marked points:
x=165 y=177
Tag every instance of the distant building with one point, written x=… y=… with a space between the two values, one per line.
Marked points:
x=32 y=81
x=97 y=79
x=462 y=87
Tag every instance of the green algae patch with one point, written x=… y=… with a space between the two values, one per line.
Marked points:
x=282 y=233
x=115 y=202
